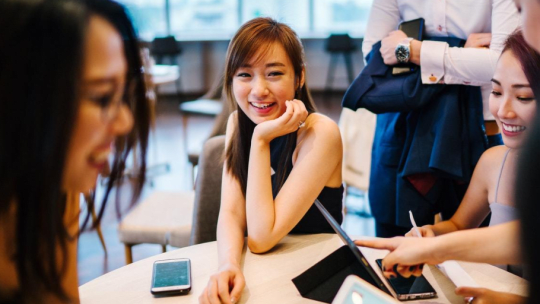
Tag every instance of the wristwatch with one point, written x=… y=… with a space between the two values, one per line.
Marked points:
x=403 y=50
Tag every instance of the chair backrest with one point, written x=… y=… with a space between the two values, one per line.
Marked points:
x=162 y=47
x=208 y=191
x=340 y=43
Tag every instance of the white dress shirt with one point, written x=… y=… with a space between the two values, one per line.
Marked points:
x=449 y=18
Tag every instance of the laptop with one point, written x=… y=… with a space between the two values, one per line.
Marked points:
x=373 y=278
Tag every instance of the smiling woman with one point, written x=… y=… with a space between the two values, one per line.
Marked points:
x=102 y=113
x=513 y=105
x=495 y=187
x=72 y=92
x=512 y=101
x=280 y=154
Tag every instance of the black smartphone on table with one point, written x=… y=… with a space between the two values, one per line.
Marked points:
x=410 y=288
x=171 y=277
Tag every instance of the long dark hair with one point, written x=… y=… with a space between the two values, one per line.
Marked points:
x=41 y=59
x=253 y=36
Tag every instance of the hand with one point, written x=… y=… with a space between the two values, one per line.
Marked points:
x=478 y=40
x=425 y=231
x=288 y=122
x=407 y=255
x=483 y=296
x=388 y=46
x=224 y=287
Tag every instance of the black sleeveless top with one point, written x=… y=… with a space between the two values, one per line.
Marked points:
x=331 y=198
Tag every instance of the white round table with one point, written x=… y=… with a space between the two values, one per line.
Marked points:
x=268 y=276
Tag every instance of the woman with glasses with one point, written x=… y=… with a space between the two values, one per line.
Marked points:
x=72 y=96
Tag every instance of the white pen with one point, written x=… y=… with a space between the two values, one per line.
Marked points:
x=451 y=268
x=414 y=224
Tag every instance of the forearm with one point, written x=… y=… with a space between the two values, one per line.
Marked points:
x=443 y=227
x=415 y=48
x=496 y=245
x=230 y=240
x=453 y=65
x=260 y=209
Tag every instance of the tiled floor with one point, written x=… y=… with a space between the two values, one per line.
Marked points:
x=166 y=147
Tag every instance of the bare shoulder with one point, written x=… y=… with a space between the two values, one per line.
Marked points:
x=321 y=125
x=492 y=158
x=231 y=125
x=231 y=121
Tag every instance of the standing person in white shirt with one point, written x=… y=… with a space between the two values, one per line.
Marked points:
x=484 y=24
x=499 y=244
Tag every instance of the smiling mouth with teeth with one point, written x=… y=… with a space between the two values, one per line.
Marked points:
x=262 y=106
x=513 y=129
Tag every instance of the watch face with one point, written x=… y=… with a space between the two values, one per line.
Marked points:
x=402 y=53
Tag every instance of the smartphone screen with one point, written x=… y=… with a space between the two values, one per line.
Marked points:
x=412 y=287
x=171 y=276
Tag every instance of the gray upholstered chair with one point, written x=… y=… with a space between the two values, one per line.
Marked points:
x=153 y=220
x=211 y=104
x=207 y=194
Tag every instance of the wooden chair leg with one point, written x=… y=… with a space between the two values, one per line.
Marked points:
x=164 y=248
x=99 y=232
x=129 y=255
x=184 y=117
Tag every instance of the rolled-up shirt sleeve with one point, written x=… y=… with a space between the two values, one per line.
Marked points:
x=471 y=66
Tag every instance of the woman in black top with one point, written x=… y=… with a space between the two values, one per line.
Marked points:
x=280 y=154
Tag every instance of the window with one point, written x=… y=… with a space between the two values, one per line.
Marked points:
x=148 y=16
x=219 y=19
x=195 y=19
x=341 y=16
x=293 y=13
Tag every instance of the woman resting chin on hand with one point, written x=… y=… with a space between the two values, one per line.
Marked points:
x=280 y=154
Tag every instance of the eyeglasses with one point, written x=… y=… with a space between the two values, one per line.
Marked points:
x=109 y=100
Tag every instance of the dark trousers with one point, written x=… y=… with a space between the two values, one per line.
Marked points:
x=389 y=230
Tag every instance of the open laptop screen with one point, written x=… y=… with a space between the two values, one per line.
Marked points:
x=373 y=277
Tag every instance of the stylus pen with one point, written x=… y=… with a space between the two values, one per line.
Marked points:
x=414 y=225
x=454 y=267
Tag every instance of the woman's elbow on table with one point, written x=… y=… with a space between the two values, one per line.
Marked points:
x=259 y=244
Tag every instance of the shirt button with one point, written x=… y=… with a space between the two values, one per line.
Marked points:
x=432 y=78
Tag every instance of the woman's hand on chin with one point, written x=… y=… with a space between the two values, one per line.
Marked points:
x=293 y=118
x=225 y=286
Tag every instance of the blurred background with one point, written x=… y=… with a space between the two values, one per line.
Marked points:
x=185 y=42
x=204 y=27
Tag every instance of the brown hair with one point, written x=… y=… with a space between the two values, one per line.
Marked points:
x=527 y=57
x=254 y=35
